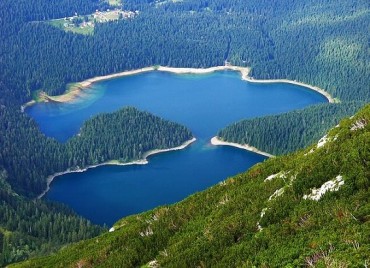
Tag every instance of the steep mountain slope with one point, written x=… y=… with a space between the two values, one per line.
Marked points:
x=308 y=208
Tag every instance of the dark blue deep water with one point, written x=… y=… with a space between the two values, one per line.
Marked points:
x=204 y=103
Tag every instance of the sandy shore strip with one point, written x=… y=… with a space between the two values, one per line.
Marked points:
x=268 y=81
x=142 y=161
x=24 y=106
x=75 y=89
x=216 y=141
x=242 y=70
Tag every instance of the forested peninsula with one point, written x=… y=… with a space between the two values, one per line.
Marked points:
x=285 y=133
x=317 y=42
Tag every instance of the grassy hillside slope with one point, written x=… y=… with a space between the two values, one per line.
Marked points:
x=267 y=217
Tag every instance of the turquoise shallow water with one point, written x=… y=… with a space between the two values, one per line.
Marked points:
x=204 y=103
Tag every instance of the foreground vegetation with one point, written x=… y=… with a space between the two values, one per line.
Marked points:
x=269 y=216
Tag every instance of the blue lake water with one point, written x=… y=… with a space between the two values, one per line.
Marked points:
x=204 y=103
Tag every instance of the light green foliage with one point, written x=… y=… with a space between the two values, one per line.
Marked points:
x=85 y=24
x=219 y=227
x=115 y=2
x=70 y=27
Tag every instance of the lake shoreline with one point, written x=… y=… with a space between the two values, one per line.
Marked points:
x=297 y=83
x=75 y=89
x=217 y=142
x=142 y=161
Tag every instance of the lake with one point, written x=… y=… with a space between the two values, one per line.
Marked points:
x=204 y=103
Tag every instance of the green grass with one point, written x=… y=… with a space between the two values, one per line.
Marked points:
x=5 y=232
x=68 y=26
x=36 y=96
x=88 y=30
x=60 y=23
x=57 y=23
x=114 y=2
